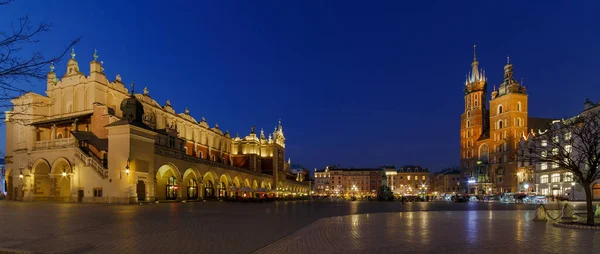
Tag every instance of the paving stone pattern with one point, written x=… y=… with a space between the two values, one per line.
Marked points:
x=218 y=227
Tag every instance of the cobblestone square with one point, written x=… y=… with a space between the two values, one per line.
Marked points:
x=283 y=227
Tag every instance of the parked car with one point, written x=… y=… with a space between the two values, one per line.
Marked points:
x=461 y=198
x=508 y=198
x=473 y=199
x=541 y=200
x=519 y=197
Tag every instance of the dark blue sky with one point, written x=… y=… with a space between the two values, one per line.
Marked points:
x=355 y=83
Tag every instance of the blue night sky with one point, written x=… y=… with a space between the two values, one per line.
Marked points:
x=355 y=83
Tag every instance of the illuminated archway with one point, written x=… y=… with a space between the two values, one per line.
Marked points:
x=42 y=182
x=224 y=181
x=191 y=184
x=167 y=182
x=237 y=181
x=61 y=172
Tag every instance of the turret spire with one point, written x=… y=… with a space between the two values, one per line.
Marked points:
x=95 y=54
x=476 y=75
x=132 y=87
x=73 y=53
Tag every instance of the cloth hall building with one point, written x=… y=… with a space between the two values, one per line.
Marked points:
x=490 y=130
x=89 y=139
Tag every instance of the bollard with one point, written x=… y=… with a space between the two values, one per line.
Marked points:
x=568 y=215
x=540 y=214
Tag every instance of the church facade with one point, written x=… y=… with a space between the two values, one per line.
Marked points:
x=490 y=129
x=92 y=140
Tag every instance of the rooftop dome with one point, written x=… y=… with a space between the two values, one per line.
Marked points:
x=133 y=110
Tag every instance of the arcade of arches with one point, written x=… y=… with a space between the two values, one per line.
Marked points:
x=192 y=184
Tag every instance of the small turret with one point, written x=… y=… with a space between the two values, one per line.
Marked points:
x=72 y=66
x=95 y=66
x=51 y=79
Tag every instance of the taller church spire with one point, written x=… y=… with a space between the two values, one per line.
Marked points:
x=476 y=79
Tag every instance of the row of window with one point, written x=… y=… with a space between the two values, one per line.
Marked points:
x=555 y=178
x=556 y=139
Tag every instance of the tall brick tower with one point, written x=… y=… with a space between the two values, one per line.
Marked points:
x=508 y=118
x=474 y=120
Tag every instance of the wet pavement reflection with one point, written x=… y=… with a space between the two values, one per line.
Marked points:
x=292 y=227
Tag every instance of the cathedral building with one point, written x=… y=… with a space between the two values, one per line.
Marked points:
x=490 y=130
x=89 y=139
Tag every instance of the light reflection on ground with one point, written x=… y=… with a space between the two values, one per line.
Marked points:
x=219 y=227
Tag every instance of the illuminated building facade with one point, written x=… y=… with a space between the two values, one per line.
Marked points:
x=490 y=131
x=412 y=180
x=92 y=140
x=546 y=178
x=366 y=181
x=446 y=182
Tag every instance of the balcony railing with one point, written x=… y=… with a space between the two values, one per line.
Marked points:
x=55 y=143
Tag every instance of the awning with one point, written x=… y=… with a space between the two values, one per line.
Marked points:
x=261 y=190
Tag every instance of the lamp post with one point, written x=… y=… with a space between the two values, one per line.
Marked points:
x=573 y=191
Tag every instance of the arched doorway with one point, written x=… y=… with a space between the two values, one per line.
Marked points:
x=596 y=191
x=209 y=189
x=141 y=191
x=171 y=191
x=167 y=187
x=192 y=189
x=223 y=184
x=42 y=183
x=61 y=173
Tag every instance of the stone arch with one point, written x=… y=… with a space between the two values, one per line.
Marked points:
x=168 y=179
x=42 y=182
x=237 y=181
x=209 y=184
x=263 y=184
x=499 y=109
x=60 y=173
x=254 y=185
x=247 y=183
x=223 y=185
x=191 y=183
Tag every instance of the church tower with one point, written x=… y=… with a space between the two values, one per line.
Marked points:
x=474 y=120
x=508 y=118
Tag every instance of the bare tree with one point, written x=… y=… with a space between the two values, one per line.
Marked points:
x=572 y=145
x=18 y=69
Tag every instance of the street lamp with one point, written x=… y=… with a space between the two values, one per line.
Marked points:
x=573 y=190
x=21 y=174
